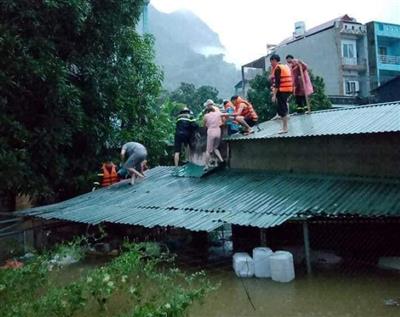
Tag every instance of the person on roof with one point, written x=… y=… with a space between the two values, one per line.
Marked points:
x=230 y=123
x=244 y=113
x=302 y=86
x=108 y=174
x=136 y=159
x=212 y=120
x=184 y=130
x=209 y=104
x=282 y=87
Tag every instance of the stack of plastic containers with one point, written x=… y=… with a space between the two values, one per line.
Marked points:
x=243 y=264
x=278 y=265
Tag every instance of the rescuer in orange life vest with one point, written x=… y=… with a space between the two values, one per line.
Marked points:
x=244 y=113
x=282 y=87
x=109 y=174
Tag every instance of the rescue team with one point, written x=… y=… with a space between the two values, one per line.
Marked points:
x=237 y=113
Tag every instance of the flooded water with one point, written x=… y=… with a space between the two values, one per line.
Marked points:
x=322 y=294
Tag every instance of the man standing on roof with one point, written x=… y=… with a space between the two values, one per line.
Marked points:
x=184 y=129
x=282 y=87
x=302 y=86
x=135 y=163
x=244 y=113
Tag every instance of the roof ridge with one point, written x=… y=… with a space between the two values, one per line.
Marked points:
x=386 y=180
x=370 y=105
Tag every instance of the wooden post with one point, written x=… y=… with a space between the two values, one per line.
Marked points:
x=304 y=87
x=243 y=83
x=307 y=246
x=263 y=237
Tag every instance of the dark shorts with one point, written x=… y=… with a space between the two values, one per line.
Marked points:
x=301 y=104
x=179 y=140
x=282 y=98
x=250 y=121
x=135 y=161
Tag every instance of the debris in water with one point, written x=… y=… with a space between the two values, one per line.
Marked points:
x=391 y=302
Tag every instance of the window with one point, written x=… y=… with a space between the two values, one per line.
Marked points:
x=380 y=26
x=349 y=52
x=351 y=87
x=382 y=50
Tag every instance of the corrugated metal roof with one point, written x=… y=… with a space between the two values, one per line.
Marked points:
x=189 y=170
x=376 y=118
x=237 y=197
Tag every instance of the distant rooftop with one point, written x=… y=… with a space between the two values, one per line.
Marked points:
x=375 y=118
x=320 y=28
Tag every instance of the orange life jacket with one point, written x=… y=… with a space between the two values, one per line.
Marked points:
x=248 y=111
x=109 y=178
x=286 y=84
x=229 y=105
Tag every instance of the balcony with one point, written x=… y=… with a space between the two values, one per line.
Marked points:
x=353 y=63
x=353 y=29
x=388 y=30
x=389 y=59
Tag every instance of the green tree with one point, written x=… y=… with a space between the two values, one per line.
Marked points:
x=260 y=96
x=76 y=81
x=319 y=100
x=194 y=97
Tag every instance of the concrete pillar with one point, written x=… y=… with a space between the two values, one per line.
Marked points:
x=28 y=235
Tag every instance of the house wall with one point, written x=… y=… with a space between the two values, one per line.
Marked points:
x=390 y=91
x=383 y=35
x=357 y=155
x=372 y=55
x=321 y=52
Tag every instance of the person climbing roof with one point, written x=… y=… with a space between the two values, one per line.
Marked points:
x=244 y=113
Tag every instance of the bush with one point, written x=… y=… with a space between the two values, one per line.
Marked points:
x=149 y=284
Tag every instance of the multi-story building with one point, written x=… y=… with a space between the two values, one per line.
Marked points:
x=383 y=52
x=336 y=51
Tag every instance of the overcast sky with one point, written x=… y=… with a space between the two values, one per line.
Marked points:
x=245 y=27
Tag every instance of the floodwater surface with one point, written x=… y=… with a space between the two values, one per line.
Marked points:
x=322 y=294
x=360 y=293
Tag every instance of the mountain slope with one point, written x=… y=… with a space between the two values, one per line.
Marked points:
x=179 y=37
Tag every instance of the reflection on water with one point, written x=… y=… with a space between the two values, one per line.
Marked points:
x=323 y=294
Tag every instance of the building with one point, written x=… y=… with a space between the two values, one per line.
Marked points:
x=249 y=72
x=338 y=167
x=242 y=88
x=143 y=25
x=336 y=51
x=388 y=91
x=383 y=52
